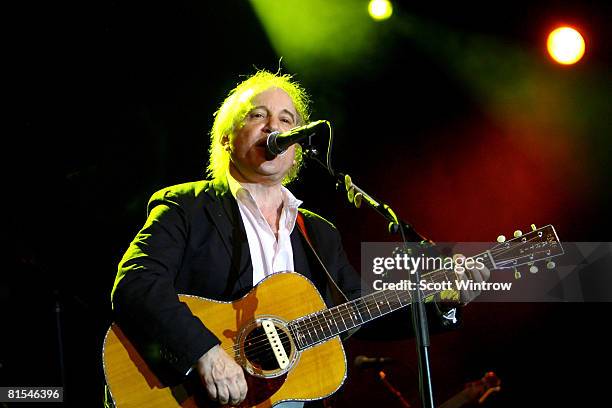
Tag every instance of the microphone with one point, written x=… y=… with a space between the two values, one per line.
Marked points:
x=278 y=142
x=367 y=362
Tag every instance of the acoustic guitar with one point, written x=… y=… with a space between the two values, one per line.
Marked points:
x=284 y=336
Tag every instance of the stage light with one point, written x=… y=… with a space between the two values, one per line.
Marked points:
x=380 y=9
x=565 y=45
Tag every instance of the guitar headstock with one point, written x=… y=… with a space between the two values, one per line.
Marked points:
x=525 y=249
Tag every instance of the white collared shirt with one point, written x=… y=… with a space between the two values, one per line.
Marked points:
x=268 y=254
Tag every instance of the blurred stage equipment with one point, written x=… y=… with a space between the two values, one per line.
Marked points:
x=475 y=392
x=382 y=376
x=368 y=362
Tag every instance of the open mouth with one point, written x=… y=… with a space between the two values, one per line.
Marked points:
x=263 y=143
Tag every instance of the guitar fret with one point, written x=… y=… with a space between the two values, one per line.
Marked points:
x=329 y=332
x=310 y=333
x=380 y=313
x=373 y=308
x=385 y=302
x=356 y=314
x=339 y=319
x=349 y=314
x=333 y=319
x=409 y=297
x=297 y=334
x=361 y=302
x=399 y=301
x=312 y=329
x=342 y=317
x=314 y=323
x=395 y=301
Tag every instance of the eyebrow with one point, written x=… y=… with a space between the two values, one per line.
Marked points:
x=283 y=110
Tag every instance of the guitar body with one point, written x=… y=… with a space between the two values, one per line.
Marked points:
x=312 y=373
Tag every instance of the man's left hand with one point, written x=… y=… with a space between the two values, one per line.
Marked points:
x=476 y=275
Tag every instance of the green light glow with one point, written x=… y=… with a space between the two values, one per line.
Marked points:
x=315 y=34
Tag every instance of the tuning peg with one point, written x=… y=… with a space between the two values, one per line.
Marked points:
x=518 y=233
x=533 y=269
x=533 y=227
x=501 y=239
x=350 y=194
x=348 y=182
x=358 y=198
x=517 y=274
x=550 y=264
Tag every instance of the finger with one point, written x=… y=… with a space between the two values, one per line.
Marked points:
x=458 y=260
x=234 y=392
x=242 y=386
x=211 y=388
x=223 y=393
x=481 y=274
x=486 y=273
x=477 y=275
x=238 y=389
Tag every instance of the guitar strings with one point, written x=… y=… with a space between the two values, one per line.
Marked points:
x=261 y=341
x=359 y=305
x=261 y=345
x=259 y=348
x=433 y=274
x=309 y=323
x=314 y=322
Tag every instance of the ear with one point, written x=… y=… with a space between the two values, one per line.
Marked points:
x=225 y=142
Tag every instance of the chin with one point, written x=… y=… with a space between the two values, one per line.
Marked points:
x=271 y=172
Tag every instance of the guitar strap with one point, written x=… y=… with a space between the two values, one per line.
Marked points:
x=338 y=296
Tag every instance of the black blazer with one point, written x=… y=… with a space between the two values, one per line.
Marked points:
x=194 y=242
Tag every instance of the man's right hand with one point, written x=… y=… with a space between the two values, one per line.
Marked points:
x=222 y=376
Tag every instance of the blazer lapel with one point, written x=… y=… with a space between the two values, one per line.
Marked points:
x=300 y=258
x=224 y=212
x=215 y=210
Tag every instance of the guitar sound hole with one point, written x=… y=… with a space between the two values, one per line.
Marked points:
x=258 y=351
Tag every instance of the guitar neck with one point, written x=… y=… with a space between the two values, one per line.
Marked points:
x=323 y=325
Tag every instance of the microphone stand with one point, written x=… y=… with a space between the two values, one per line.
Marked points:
x=357 y=196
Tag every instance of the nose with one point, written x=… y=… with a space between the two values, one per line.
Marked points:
x=272 y=125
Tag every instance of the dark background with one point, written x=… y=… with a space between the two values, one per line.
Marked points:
x=110 y=101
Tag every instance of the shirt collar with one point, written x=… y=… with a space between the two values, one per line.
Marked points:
x=239 y=192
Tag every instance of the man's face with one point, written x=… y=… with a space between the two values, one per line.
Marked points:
x=272 y=110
